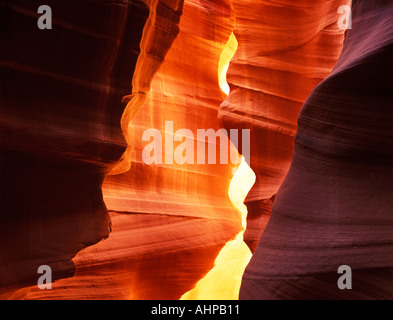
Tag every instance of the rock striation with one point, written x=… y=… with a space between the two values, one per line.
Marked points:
x=335 y=206
x=79 y=103
x=168 y=222
x=285 y=49
x=61 y=92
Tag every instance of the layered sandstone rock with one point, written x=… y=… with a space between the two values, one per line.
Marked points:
x=61 y=92
x=185 y=92
x=77 y=100
x=61 y=104
x=335 y=205
x=285 y=49
x=145 y=257
x=168 y=221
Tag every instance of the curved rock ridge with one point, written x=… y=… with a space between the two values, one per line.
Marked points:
x=185 y=92
x=61 y=103
x=285 y=49
x=146 y=257
x=160 y=30
x=169 y=221
x=335 y=206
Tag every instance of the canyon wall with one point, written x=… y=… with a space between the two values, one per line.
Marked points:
x=334 y=207
x=61 y=93
x=168 y=221
x=103 y=180
x=285 y=49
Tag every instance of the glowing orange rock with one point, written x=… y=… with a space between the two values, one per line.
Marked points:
x=186 y=92
x=285 y=50
x=170 y=221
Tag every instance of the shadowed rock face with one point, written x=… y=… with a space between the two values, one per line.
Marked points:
x=61 y=103
x=335 y=206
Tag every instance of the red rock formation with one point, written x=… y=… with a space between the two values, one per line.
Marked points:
x=61 y=103
x=194 y=196
x=285 y=49
x=61 y=95
x=145 y=257
x=76 y=100
x=335 y=205
x=174 y=219
x=185 y=91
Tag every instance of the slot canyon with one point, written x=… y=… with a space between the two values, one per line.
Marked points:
x=306 y=107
